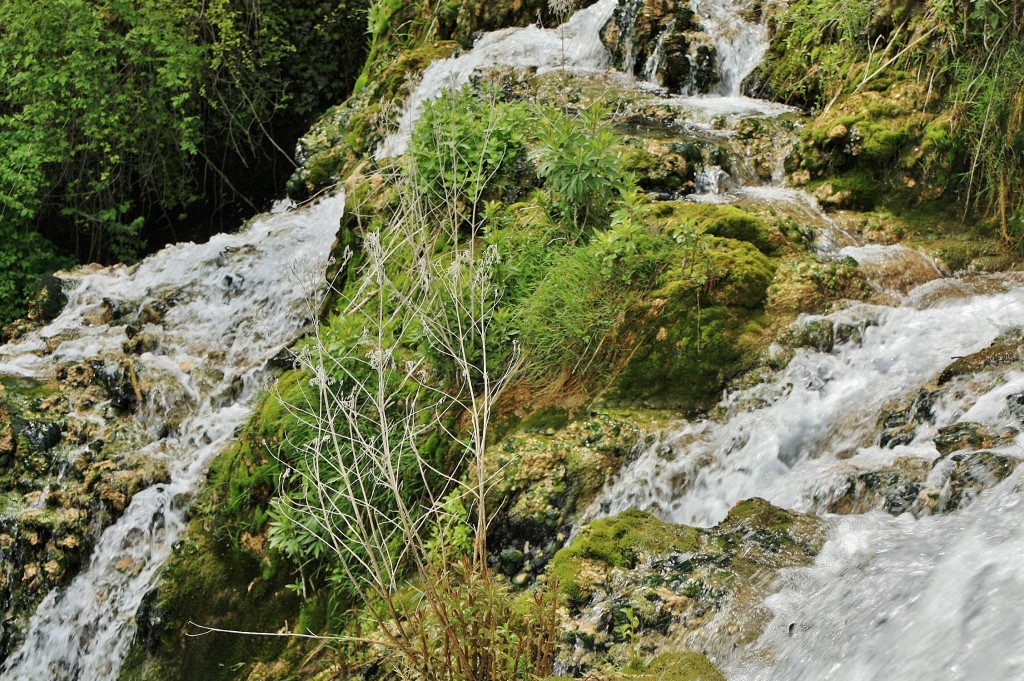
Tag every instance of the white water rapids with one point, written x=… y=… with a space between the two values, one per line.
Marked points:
x=239 y=300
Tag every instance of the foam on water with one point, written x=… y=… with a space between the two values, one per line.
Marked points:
x=233 y=304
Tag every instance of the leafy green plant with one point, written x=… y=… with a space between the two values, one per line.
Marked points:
x=574 y=156
x=25 y=258
x=463 y=147
x=116 y=114
x=629 y=631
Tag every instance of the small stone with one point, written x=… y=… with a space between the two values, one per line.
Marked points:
x=521 y=579
x=124 y=565
x=972 y=436
x=30 y=573
x=838 y=132
x=70 y=542
x=800 y=178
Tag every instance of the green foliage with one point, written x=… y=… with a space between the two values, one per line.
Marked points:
x=25 y=258
x=574 y=156
x=818 y=42
x=564 y=322
x=465 y=143
x=681 y=666
x=113 y=111
x=97 y=109
x=989 y=101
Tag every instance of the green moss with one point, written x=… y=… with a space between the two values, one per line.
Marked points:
x=718 y=220
x=682 y=666
x=619 y=542
x=548 y=418
x=341 y=138
x=758 y=514
x=681 y=344
x=213 y=586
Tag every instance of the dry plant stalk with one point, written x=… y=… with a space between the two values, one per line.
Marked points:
x=374 y=403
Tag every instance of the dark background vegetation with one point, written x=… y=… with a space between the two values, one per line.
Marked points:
x=128 y=124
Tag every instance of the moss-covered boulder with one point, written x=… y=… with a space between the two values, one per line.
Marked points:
x=551 y=469
x=621 y=541
x=873 y=147
x=802 y=284
x=680 y=344
x=681 y=666
x=1006 y=350
x=210 y=584
x=636 y=586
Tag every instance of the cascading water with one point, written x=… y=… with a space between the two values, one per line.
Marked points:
x=574 y=46
x=739 y=44
x=889 y=597
x=237 y=301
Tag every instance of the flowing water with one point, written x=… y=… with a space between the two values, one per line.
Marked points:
x=574 y=46
x=237 y=301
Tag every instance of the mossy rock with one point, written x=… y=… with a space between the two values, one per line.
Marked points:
x=343 y=136
x=680 y=345
x=805 y=285
x=874 y=127
x=659 y=166
x=718 y=220
x=1004 y=351
x=214 y=586
x=619 y=541
x=972 y=436
x=680 y=666
x=551 y=470
x=665 y=582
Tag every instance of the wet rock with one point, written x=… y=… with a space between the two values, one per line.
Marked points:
x=659 y=40
x=121 y=384
x=970 y=475
x=894 y=489
x=898 y=425
x=139 y=340
x=1015 y=406
x=77 y=375
x=42 y=437
x=633 y=573
x=550 y=471
x=831 y=196
x=966 y=435
x=8 y=443
x=1006 y=350
x=153 y=312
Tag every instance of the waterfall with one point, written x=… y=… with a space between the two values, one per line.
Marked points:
x=785 y=439
x=897 y=598
x=238 y=300
x=739 y=44
x=574 y=46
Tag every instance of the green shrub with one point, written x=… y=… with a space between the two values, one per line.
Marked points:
x=25 y=258
x=467 y=144
x=574 y=156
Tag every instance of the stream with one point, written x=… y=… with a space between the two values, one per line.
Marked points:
x=235 y=303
